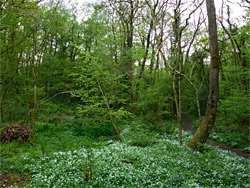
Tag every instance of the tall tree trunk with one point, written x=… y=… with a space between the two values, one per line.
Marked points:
x=180 y=61
x=207 y=123
x=130 y=32
x=32 y=123
x=144 y=61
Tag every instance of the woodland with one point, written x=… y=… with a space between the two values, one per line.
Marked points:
x=124 y=93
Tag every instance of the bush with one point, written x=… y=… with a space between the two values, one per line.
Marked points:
x=171 y=127
x=93 y=127
x=138 y=135
x=233 y=114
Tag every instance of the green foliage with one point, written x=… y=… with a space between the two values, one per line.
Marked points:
x=196 y=124
x=138 y=134
x=94 y=128
x=121 y=114
x=96 y=90
x=57 y=111
x=86 y=167
x=232 y=121
x=171 y=127
x=94 y=60
x=231 y=139
x=155 y=100
x=35 y=55
x=197 y=70
x=234 y=110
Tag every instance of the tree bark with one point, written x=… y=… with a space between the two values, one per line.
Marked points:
x=207 y=123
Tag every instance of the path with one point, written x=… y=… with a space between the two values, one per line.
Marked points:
x=188 y=127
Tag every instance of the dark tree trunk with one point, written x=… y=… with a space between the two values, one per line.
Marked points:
x=207 y=123
x=144 y=61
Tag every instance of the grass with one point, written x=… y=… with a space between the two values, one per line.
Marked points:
x=145 y=160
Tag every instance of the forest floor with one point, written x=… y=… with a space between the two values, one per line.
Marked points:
x=188 y=127
x=69 y=155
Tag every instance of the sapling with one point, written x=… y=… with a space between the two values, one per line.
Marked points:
x=95 y=88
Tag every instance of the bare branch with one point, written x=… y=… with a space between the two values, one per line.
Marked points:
x=52 y=97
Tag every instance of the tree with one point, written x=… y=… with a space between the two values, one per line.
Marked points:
x=207 y=123
x=126 y=12
x=20 y=55
x=95 y=90
x=37 y=47
x=175 y=62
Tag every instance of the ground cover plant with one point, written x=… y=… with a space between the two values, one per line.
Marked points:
x=104 y=162
x=233 y=140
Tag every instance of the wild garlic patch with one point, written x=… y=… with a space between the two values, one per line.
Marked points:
x=163 y=164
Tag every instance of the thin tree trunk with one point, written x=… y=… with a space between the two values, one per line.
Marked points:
x=180 y=60
x=196 y=92
x=176 y=99
x=130 y=32
x=108 y=111
x=35 y=72
x=144 y=61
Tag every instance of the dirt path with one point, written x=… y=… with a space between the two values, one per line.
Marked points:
x=188 y=127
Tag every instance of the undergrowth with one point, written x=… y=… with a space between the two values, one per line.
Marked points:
x=64 y=156
x=227 y=137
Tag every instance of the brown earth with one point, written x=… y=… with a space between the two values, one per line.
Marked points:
x=188 y=127
x=8 y=179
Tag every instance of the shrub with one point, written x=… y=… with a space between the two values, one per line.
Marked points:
x=138 y=134
x=94 y=127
